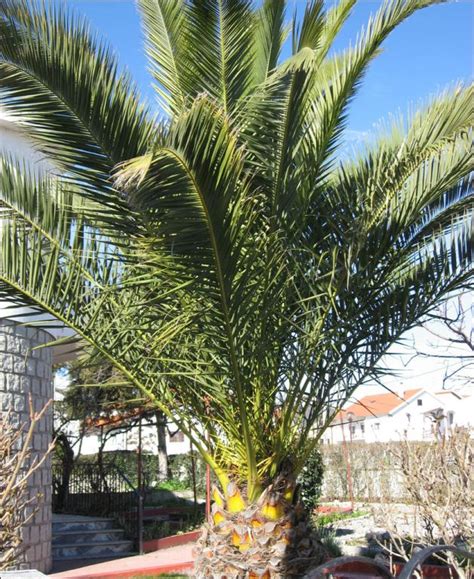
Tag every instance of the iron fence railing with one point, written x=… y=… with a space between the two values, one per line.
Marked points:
x=93 y=490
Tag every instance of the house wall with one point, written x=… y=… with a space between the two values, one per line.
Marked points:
x=24 y=372
x=409 y=421
x=462 y=406
x=179 y=444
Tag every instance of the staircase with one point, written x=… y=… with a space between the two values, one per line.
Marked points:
x=79 y=541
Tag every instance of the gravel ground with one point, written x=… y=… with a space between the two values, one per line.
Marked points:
x=353 y=535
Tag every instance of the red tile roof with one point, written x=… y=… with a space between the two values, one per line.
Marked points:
x=378 y=404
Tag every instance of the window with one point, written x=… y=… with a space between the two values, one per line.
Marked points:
x=362 y=427
x=450 y=418
x=376 y=426
x=419 y=402
x=408 y=417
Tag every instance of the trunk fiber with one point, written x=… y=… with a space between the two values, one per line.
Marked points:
x=271 y=538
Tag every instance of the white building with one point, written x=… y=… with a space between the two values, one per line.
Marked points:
x=116 y=435
x=413 y=415
x=176 y=442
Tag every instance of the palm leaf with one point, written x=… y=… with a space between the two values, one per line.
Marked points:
x=63 y=86
x=236 y=274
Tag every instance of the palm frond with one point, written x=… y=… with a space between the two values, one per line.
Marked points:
x=221 y=260
x=62 y=84
x=163 y=27
x=270 y=35
x=219 y=43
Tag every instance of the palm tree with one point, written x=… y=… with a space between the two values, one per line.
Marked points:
x=236 y=269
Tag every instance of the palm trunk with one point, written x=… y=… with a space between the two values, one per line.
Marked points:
x=271 y=538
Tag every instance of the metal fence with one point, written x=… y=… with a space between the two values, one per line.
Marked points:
x=90 y=490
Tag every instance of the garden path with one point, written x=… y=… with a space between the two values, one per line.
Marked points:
x=165 y=560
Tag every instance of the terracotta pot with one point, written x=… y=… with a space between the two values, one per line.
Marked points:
x=358 y=569
x=429 y=571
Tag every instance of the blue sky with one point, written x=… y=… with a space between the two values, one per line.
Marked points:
x=432 y=50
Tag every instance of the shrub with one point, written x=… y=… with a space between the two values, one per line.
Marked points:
x=180 y=466
x=438 y=482
x=310 y=480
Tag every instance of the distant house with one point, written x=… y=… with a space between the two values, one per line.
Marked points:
x=117 y=434
x=413 y=415
x=127 y=439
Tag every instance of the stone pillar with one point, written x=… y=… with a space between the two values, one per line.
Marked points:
x=24 y=371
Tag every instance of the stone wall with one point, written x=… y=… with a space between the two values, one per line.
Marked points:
x=24 y=371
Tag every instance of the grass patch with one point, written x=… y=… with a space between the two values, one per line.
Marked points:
x=329 y=518
x=161 y=529
x=173 y=485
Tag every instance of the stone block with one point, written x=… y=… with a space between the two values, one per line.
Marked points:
x=46 y=533
x=35 y=353
x=6 y=363
x=35 y=386
x=19 y=364
x=46 y=550
x=7 y=401
x=25 y=534
x=13 y=383
x=31 y=367
x=39 y=517
x=30 y=554
x=7 y=327
x=20 y=404
x=34 y=535
x=25 y=385
x=42 y=369
x=38 y=445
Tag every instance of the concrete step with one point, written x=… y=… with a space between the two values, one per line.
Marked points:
x=88 y=536
x=92 y=550
x=78 y=523
x=63 y=565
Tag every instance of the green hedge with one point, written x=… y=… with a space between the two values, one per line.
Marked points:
x=310 y=480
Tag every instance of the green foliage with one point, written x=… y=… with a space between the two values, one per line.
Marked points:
x=323 y=520
x=328 y=539
x=181 y=466
x=161 y=529
x=227 y=261
x=126 y=461
x=97 y=390
x=310 y=480
x=173 y=485
x=180 y=469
